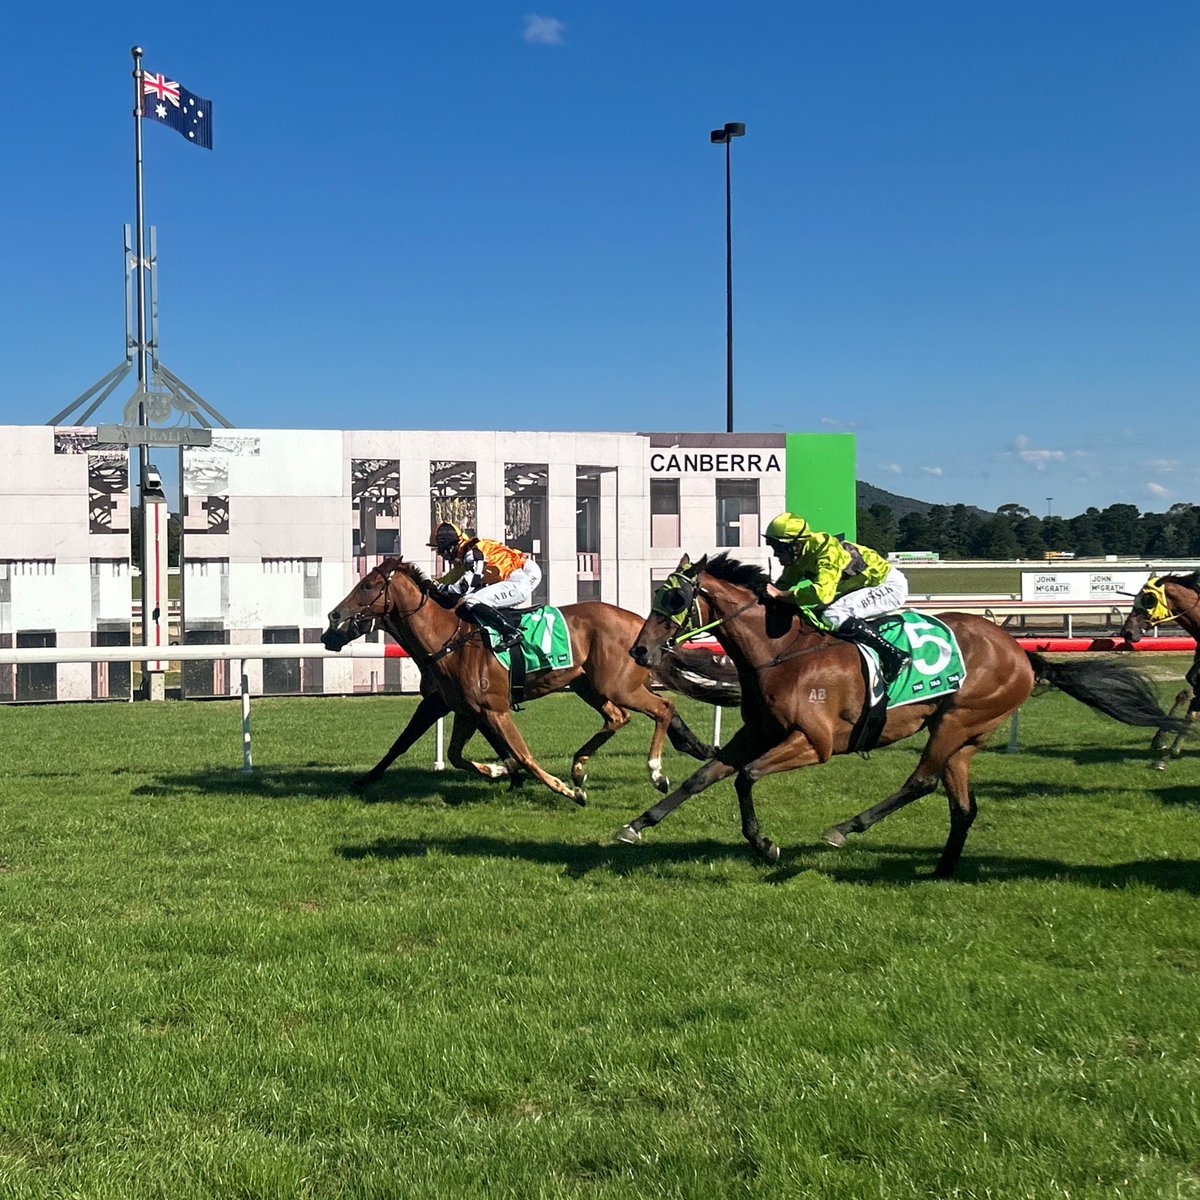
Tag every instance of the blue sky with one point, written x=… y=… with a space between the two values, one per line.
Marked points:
x=967 y=233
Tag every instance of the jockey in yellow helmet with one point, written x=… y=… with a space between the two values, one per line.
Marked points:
x=846 y=581
x=488 y=575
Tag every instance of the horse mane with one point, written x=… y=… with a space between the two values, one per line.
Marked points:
x=390 y=566
x=747 y=575
x=1190 y=580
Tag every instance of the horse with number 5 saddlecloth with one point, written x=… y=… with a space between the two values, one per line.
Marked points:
x=1170 y=598
x=461 y=674
x=804 y=693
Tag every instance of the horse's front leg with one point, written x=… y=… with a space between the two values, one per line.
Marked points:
x=466 y=724
x=794 y=751
x=505 y=728
x=741 y=747
x=704 y=777
x=431 y=709
x=1192 y=701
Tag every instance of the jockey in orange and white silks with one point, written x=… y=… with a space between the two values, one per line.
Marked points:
x=843 y=582
x=488 y=575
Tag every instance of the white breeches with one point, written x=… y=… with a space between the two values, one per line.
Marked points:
x=514 y=592
x=867 y=602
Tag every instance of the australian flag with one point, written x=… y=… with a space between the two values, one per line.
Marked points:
x=165 y=100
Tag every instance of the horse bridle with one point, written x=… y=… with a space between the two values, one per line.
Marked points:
x=1153 y=586
x=684 y=609
x=385 y=583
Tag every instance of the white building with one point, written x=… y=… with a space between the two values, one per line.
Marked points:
x=279 y=523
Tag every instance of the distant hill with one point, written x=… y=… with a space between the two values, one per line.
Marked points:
x=868 y=494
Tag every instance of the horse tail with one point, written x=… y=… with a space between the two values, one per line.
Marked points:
x=700 y=675
x=1113 y=688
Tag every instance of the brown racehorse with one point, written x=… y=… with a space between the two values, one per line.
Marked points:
x=803 y=694
x=461 y=674
x=1170 y=598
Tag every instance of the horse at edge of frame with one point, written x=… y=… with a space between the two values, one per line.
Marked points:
x=1170 y=598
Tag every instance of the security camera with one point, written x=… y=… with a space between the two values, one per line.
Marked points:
x=154 y=481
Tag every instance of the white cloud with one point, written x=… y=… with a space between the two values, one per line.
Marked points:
x=1157 y=489
x=544 y=31
x=1162 y=464
x=932 y=470
x=894 y=468
x=1039 y=458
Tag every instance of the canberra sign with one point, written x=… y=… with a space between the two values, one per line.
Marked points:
x=726 y=462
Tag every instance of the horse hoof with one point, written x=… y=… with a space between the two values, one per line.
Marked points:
x=662 y=783
x=360 y=785
x=833 y=836
x=1160 y=765
x=579 y=796
x=628 y=836
x=769 y=852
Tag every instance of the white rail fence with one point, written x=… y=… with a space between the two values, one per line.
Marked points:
x=241 y=654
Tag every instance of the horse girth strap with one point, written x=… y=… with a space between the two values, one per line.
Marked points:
x=455 y=643
x=823 y=644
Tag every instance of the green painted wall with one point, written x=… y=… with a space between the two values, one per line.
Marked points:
x=820 y=481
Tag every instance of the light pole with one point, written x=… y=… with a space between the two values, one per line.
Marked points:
x=1049 y=501
x=724 y=137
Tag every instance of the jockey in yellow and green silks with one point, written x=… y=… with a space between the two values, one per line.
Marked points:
x=845 y=582
x=488 y=575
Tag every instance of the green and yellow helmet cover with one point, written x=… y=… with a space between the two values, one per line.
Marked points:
x=786 y=527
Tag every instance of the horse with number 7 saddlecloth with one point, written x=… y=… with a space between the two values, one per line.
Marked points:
x=804 y=693
x=461 y=674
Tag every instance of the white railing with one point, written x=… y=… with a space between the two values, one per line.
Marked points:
x=240 y=654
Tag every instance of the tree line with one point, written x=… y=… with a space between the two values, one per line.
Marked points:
x=957 y=531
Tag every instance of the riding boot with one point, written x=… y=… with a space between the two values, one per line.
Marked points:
x=892 y=659
x=510 y=633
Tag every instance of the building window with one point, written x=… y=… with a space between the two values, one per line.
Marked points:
x=526 y=516
x=664 y=513
x=451 y=498
x=375 y=492
x=587 y=533
x=737 y=512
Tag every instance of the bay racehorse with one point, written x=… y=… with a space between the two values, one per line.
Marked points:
x=1170 y=598
x=461 y=674
x=804 y=694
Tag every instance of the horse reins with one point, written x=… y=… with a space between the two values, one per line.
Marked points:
x=737 y=612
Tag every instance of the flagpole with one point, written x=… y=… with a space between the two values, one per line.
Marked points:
x=140 y=252
x=140 y=244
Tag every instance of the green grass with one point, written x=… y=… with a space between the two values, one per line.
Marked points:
x=224 y=985
x=956 y=581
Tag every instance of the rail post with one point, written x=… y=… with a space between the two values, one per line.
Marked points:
x=247 y=764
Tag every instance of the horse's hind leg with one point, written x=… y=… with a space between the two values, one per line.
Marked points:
x=615 y=718
x=920 y=783
x=956 y=777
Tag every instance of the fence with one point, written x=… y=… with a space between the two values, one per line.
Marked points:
x=260 y=650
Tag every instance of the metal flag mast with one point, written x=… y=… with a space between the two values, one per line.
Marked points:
x=159 y=391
